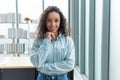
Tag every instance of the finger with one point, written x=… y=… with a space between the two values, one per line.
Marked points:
x=53 y=36
x=48 y=35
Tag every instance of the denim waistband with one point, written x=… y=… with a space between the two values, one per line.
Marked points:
x=43 y=76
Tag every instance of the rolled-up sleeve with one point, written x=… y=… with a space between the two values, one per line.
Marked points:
x=39 y=52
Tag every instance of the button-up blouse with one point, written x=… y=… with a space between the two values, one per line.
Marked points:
x=53 y=57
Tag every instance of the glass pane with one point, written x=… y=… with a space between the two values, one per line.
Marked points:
x=87 y=38
x=98 y=38
x=31 y=9
x=7 y=17
x=7 y=6
x=7 y=14
x=8 y=31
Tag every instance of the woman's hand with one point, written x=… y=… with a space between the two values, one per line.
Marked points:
x=50 y=36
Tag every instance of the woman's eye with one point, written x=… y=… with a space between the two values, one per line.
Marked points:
x=56 y=20
x=48 y=20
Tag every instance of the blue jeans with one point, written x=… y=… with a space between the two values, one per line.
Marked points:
x=42 y=76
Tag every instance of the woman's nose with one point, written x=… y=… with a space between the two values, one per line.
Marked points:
x=53 y=23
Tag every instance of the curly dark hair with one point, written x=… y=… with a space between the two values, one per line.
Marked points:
x=42 y=28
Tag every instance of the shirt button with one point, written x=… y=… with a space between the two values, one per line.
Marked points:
x=52 y=77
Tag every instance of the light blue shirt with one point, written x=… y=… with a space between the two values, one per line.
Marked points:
x=53 y=57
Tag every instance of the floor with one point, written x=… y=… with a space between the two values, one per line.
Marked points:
x=77 y=75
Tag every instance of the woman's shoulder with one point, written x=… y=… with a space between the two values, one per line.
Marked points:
x=69 y=38
x=69 y=41
x=65 y=36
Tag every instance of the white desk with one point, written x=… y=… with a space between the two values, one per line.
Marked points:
x=16 y=62
x=17 y=68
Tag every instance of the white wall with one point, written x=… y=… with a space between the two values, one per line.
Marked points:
x=115 y=41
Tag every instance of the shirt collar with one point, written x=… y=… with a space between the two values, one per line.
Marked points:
x=59 y=35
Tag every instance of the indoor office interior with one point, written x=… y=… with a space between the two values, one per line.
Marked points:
x=95 y=26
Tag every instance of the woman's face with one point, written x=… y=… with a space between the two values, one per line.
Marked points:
x=53 y=22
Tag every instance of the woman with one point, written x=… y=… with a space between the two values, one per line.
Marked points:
x=53 y=52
